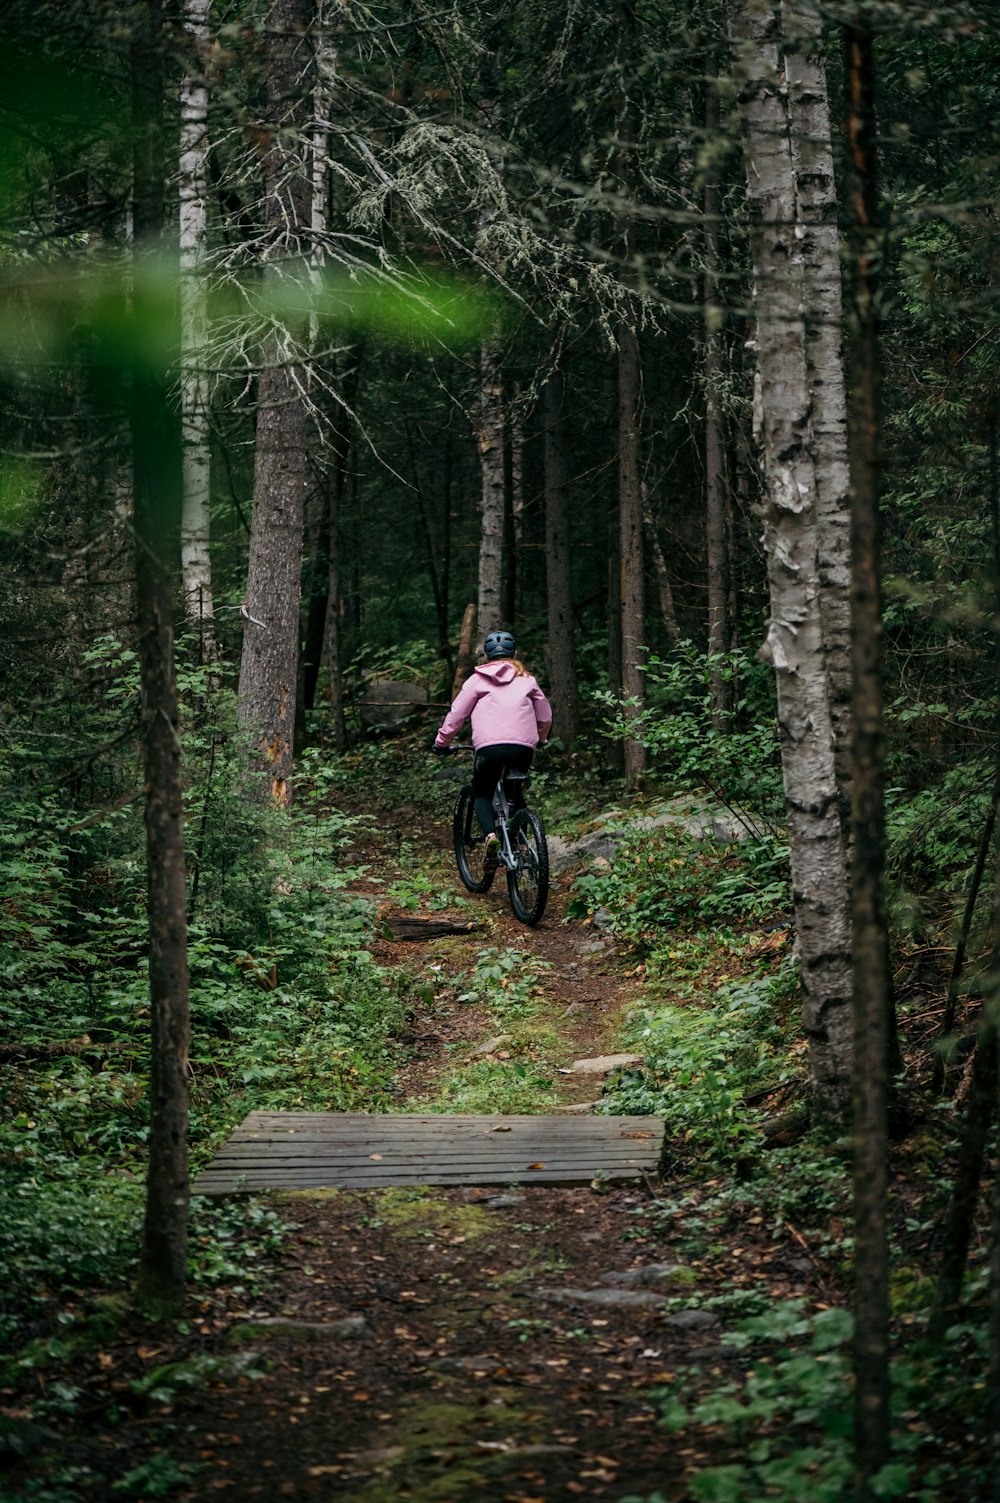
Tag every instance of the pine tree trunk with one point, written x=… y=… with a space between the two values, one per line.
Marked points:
x=196 y=561
x=156 y=484
x=664 y=589
x=466 y=649
x=558 y=579
x=869 y=924
x=819 y=245
x=269 y=668
x=630 y=522
x=716 y=498
x=959 y=1222
x=489 y=438
x=794 y=643
x=629 y=370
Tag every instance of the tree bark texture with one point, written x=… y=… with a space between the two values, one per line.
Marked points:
x=156 y=483
x=819 y=246
x=558 y=579
x=466 y=648
x=993 y=1375
x=489 y=440
x=629 y=369
x=794 y=642
x=664 y=589
x=269 y=668
x=196 y=561
x=959 y=1221
x=869 y=924
x=716 y=497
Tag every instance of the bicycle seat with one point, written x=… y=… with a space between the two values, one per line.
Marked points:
x=516 y=777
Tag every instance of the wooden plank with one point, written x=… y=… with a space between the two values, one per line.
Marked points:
x=248 y=1184
x=404 y=1120
x=291 y=1150
x=428 y=1142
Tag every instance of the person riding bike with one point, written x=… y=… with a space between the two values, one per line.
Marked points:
x=510 y=717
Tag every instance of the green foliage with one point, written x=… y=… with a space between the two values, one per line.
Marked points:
x=701 y=1063
x=788 y=1416
x=506 y=981
x=157 y=1477
x=492 y=1087
x=665 y=881
x=288 y=1007
x=732 y=753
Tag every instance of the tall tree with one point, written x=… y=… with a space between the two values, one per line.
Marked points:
x=716 y=494
x=489 y=428
x=629 y=370
x=795 y=642
x=269 y=667
x=163 y=1254
x=819 y=246
x=869 y=926
x=558 y=580
x=196 y=562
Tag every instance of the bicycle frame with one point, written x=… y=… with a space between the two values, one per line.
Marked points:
x=501 y=808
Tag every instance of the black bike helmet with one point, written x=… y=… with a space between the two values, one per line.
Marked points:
x=499 y=644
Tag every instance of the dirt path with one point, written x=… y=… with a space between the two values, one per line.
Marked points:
x=577 y=1013
x=459 y=1344
x=442 y=1346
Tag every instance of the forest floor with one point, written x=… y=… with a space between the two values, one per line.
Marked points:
x=446 y=1344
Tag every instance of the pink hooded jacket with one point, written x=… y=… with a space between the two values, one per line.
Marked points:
x=506 y=707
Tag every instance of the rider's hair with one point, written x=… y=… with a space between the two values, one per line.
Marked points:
x=516 y=663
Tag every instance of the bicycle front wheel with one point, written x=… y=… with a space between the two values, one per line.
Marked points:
x=528 y=881
x=469 y=842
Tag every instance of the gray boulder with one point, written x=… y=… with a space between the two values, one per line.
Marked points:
x=388 y=702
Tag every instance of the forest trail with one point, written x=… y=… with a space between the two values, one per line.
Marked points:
x=569 y=993
x=505 y=1344
x=459 y=1345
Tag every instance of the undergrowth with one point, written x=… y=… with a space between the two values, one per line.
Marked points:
x=288 y=1008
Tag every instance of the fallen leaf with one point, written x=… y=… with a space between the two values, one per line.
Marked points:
x=378 y=1157
x=501 y=1127
x=536 y=1166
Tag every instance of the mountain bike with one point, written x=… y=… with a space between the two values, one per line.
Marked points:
x=522 y=850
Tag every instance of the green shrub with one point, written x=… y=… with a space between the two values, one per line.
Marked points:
x=665 y=881
x=701 y=1063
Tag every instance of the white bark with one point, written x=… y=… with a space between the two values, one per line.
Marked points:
x=819 y=244
x=795 y=642
x=196 y=563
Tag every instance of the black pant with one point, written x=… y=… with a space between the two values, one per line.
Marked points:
x=490 y=763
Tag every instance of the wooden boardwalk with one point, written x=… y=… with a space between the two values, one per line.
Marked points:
x=312 y=1150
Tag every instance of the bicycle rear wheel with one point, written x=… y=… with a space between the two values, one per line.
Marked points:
x=528 y=883
x=469 y=842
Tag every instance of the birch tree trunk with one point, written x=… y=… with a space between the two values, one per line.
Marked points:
x=269 y=667
x=196 y=562
x=819 y=245
x=557 y=562
x=156 y=481
x=794 y=642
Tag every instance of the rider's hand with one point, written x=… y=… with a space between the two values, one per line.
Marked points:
x=438 y=750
